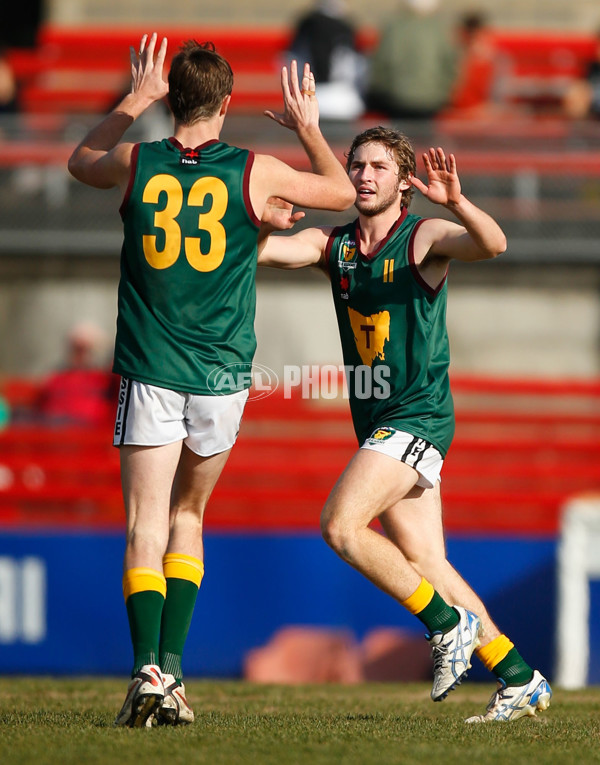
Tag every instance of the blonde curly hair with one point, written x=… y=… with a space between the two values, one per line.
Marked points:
x=395 y=142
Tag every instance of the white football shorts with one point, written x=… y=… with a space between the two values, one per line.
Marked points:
x=415 y=452
x=151 y=416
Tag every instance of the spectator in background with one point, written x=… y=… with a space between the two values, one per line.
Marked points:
x=20 y=22
x=474 y=92
x=19 y=27
x=582 y=99
x=413 y=69
x=81 y=392
x=327 y=39
x=8 y=86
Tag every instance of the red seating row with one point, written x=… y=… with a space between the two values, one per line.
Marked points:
x=521 y=449
x=85 y=69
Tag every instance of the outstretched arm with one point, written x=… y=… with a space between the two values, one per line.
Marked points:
x=327 y=186
x=100 y=160
x=306 y=248
x=478 y=236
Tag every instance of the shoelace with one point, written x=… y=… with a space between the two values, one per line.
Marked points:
x=496 y=699
x=438 y=653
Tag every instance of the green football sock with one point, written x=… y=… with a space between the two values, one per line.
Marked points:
x=144 y=611
x=144 y=591
x=183 y=574
x=429 y=606
x=176 y=619
x=513 y=670
x=438 y=616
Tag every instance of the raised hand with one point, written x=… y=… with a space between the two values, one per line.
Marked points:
x=443 y=184
x=146 y=71
x=300 y=105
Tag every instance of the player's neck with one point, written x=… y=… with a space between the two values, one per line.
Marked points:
x=374 y=228
x=199 y=133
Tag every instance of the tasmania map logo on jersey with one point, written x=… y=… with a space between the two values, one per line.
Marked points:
x=370 y=334
x=347 y=259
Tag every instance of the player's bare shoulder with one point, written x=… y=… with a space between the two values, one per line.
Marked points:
x=433 y=237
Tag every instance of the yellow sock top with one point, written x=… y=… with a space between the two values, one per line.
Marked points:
x=142 y=579
x=493 y=653
x=180 y=566
x=420 y=598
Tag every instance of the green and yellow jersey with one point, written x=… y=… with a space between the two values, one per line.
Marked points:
x=187 y=292
x=393 y=332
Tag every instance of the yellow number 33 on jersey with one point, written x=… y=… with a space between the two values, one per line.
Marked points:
x=165 y=219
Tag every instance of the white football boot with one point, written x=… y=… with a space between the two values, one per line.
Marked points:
x=175 y=709
x=145 y=694
x=451 y=652
x=510 y=702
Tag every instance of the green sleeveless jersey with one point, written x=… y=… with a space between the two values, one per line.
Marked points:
x=393 y=334
x=187 y=293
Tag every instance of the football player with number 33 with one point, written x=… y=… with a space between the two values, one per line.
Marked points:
x=191 y=210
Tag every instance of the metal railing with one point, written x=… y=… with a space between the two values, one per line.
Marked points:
x=539 y=178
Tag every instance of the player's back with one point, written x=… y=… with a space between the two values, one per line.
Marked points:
x=188 y=265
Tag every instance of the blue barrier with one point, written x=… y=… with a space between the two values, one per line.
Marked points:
x=62 y=611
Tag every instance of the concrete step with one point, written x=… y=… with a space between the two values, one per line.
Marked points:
x=583 y=15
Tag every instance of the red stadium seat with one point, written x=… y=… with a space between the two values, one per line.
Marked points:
x=84 y=69
x=521 y=449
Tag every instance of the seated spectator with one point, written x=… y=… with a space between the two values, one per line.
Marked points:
x=8 y=86
x=413 y=68
x=582 y=99
x=83 y=391
x=475 y=91
x=20 y=23
x=327 y=40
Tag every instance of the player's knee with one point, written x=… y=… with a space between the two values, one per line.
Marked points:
x=338 y=534
x=144 y=545
x=188 y=517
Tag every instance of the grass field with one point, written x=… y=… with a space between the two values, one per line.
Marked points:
x=45 y=720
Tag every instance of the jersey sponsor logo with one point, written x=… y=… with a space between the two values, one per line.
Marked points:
x=370 y=334
x=380 y=435
x=191 y=157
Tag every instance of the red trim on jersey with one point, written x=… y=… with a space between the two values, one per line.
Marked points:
x=134 y=157
x=246 y=190
x=415 y=269
x=177 y=145
x=386 y=238
x=328 y=246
